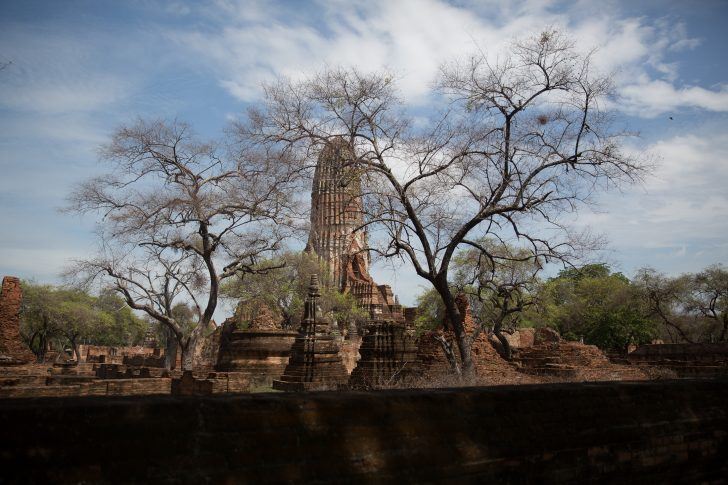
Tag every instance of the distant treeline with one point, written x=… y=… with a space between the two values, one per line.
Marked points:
x=598 y=306
x=54 y=317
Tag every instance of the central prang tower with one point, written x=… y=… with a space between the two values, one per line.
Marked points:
x=337 y=236
x=336 y=212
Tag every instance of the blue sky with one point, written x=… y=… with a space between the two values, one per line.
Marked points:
x=81 y=68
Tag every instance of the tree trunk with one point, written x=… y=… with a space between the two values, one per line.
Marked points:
x=507 y=351
x=31 y=345
x=455 y=320
x=187 y=359
x=449 y=353
x=43 y=350
x=191 y=347
x=170 y=349
x=76 y=351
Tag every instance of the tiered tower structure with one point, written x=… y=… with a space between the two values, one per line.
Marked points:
x=314 y=363
x=337 y=236
x=336 y=212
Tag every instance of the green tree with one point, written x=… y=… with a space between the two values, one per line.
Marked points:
x=709 y=299
x=126 y=328
x=66 y=315
x=80 y=319
x=598 y=306
x=501 y=282
x=284 y=290
x=430 y=311
x=38 y=322
x=689 y=307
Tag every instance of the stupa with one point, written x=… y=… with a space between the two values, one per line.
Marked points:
x=314 y=363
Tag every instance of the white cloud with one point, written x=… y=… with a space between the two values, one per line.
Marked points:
x=413 y=38
x=680 y=212
x=650 y=98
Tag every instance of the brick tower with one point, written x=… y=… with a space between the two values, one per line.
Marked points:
x=336 y=212
x=336 y=234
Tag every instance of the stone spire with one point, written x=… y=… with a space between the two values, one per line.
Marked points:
x=336 y=211
x=336 y=237
x=315 y=363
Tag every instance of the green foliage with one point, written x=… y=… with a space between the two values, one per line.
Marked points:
x=430 y=311
x=125 y=328
x=688 y=307
x=39 y=326
x=500 y=281
x=284 y=290
x=601 y=307
x=71 y=316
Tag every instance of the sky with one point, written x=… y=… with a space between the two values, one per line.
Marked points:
x=79 y=69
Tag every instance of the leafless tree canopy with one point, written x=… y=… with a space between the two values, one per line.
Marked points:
x=179 y=215
x=522 y=140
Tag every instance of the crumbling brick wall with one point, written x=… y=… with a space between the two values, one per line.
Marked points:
x=12 y=348
x=689 y=360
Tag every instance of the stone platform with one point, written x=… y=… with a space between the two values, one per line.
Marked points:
x=388 y=356
x=262 y=355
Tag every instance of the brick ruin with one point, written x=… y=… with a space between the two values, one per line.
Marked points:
x=261 y=354
x=315 y=363
x=337 y=236
x=686 y=360
x=253 y=352
x=12 y=348
x=388 y=357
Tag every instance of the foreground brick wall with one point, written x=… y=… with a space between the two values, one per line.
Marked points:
x=668 y=431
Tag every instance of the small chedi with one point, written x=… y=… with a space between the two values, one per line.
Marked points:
x=388 y=356
x=12 y=350
x=315 y=363
x=260 y=351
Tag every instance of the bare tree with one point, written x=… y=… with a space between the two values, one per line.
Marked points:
x=501 y=281
x=664 y=297
x=521 y=142
x=179 y=216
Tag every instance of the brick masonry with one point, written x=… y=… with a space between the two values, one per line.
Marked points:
x=12 y=349
x=664 y=431
x=686 y=360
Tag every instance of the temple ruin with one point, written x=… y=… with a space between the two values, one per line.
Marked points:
x=12 y=349
x=338 y=236
x=315 y=363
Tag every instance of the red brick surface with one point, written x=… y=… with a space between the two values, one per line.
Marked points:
x=12 y=349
